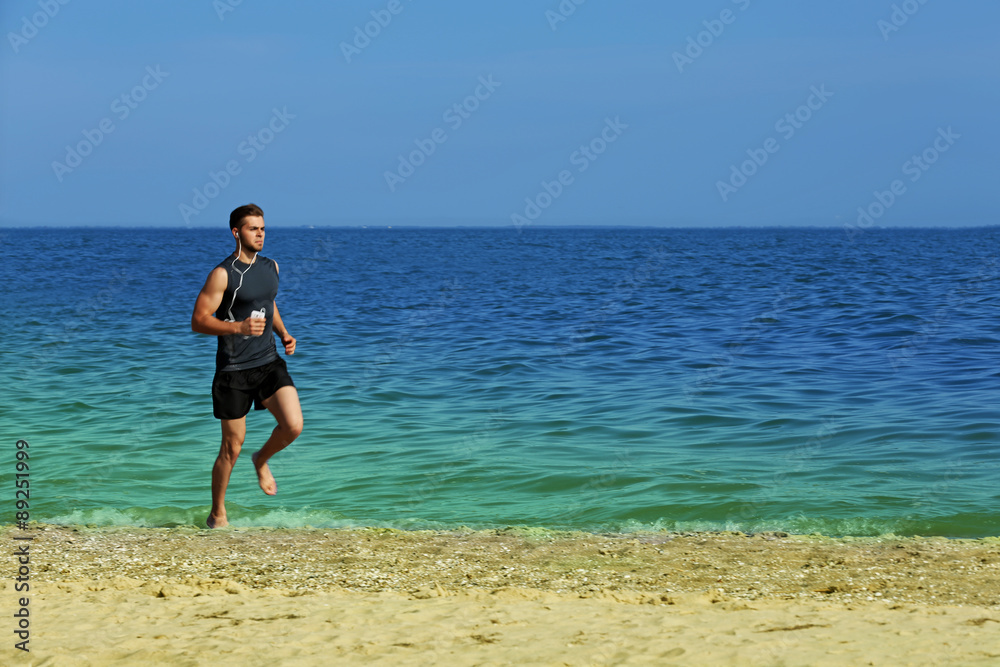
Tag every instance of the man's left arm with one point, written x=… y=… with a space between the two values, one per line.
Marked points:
x=279 y=327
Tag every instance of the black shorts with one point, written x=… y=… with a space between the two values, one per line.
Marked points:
x=234 y=391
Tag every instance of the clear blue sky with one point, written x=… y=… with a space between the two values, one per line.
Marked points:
x=199 y=81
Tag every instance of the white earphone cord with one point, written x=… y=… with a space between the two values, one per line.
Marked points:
x=239 y=250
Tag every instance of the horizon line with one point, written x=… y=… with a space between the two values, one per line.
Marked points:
x=509 y=226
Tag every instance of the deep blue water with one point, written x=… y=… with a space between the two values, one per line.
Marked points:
x=598 y=379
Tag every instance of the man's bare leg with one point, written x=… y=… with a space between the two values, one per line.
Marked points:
x=284 y=405
x=233 y=433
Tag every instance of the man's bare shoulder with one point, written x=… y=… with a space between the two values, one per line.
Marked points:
x=218 y=280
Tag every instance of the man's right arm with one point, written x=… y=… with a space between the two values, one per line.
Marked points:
x=203 y=319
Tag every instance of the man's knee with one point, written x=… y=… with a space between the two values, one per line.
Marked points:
x=231 y=446
x=293 y=427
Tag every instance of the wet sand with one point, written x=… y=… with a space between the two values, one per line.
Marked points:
x=188 y=596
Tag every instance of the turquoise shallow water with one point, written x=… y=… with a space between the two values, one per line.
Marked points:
x=596 y=379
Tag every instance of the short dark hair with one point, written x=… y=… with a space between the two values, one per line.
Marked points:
x=247 y=210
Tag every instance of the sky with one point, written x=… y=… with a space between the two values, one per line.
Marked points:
x=573 y=112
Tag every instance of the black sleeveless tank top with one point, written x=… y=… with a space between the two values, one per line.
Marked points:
x=254 y=290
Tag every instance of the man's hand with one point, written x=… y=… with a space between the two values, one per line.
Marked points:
x=253 y=326
x=289 y=343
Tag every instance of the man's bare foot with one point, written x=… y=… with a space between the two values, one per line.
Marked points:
x=216 y=522
x=264 y=476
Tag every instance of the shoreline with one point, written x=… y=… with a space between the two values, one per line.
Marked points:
x=811 y=598
x=741 y=564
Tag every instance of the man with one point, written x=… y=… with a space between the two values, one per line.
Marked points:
x=237 y=305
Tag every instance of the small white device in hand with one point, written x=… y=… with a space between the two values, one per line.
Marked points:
x=257 y=315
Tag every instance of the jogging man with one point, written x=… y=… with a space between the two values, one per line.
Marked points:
x=237 y=305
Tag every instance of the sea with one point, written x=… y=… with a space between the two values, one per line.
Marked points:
x=840 y=381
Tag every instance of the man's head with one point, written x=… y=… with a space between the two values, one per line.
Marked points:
x=247 y=226
x=241 y=212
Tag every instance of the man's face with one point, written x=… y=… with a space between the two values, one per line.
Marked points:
x=252 y=233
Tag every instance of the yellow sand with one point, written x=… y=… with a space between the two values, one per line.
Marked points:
x=252 y=597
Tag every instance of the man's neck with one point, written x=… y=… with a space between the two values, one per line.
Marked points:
x=245 y=257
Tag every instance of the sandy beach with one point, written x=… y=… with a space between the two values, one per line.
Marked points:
x=184 y=596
